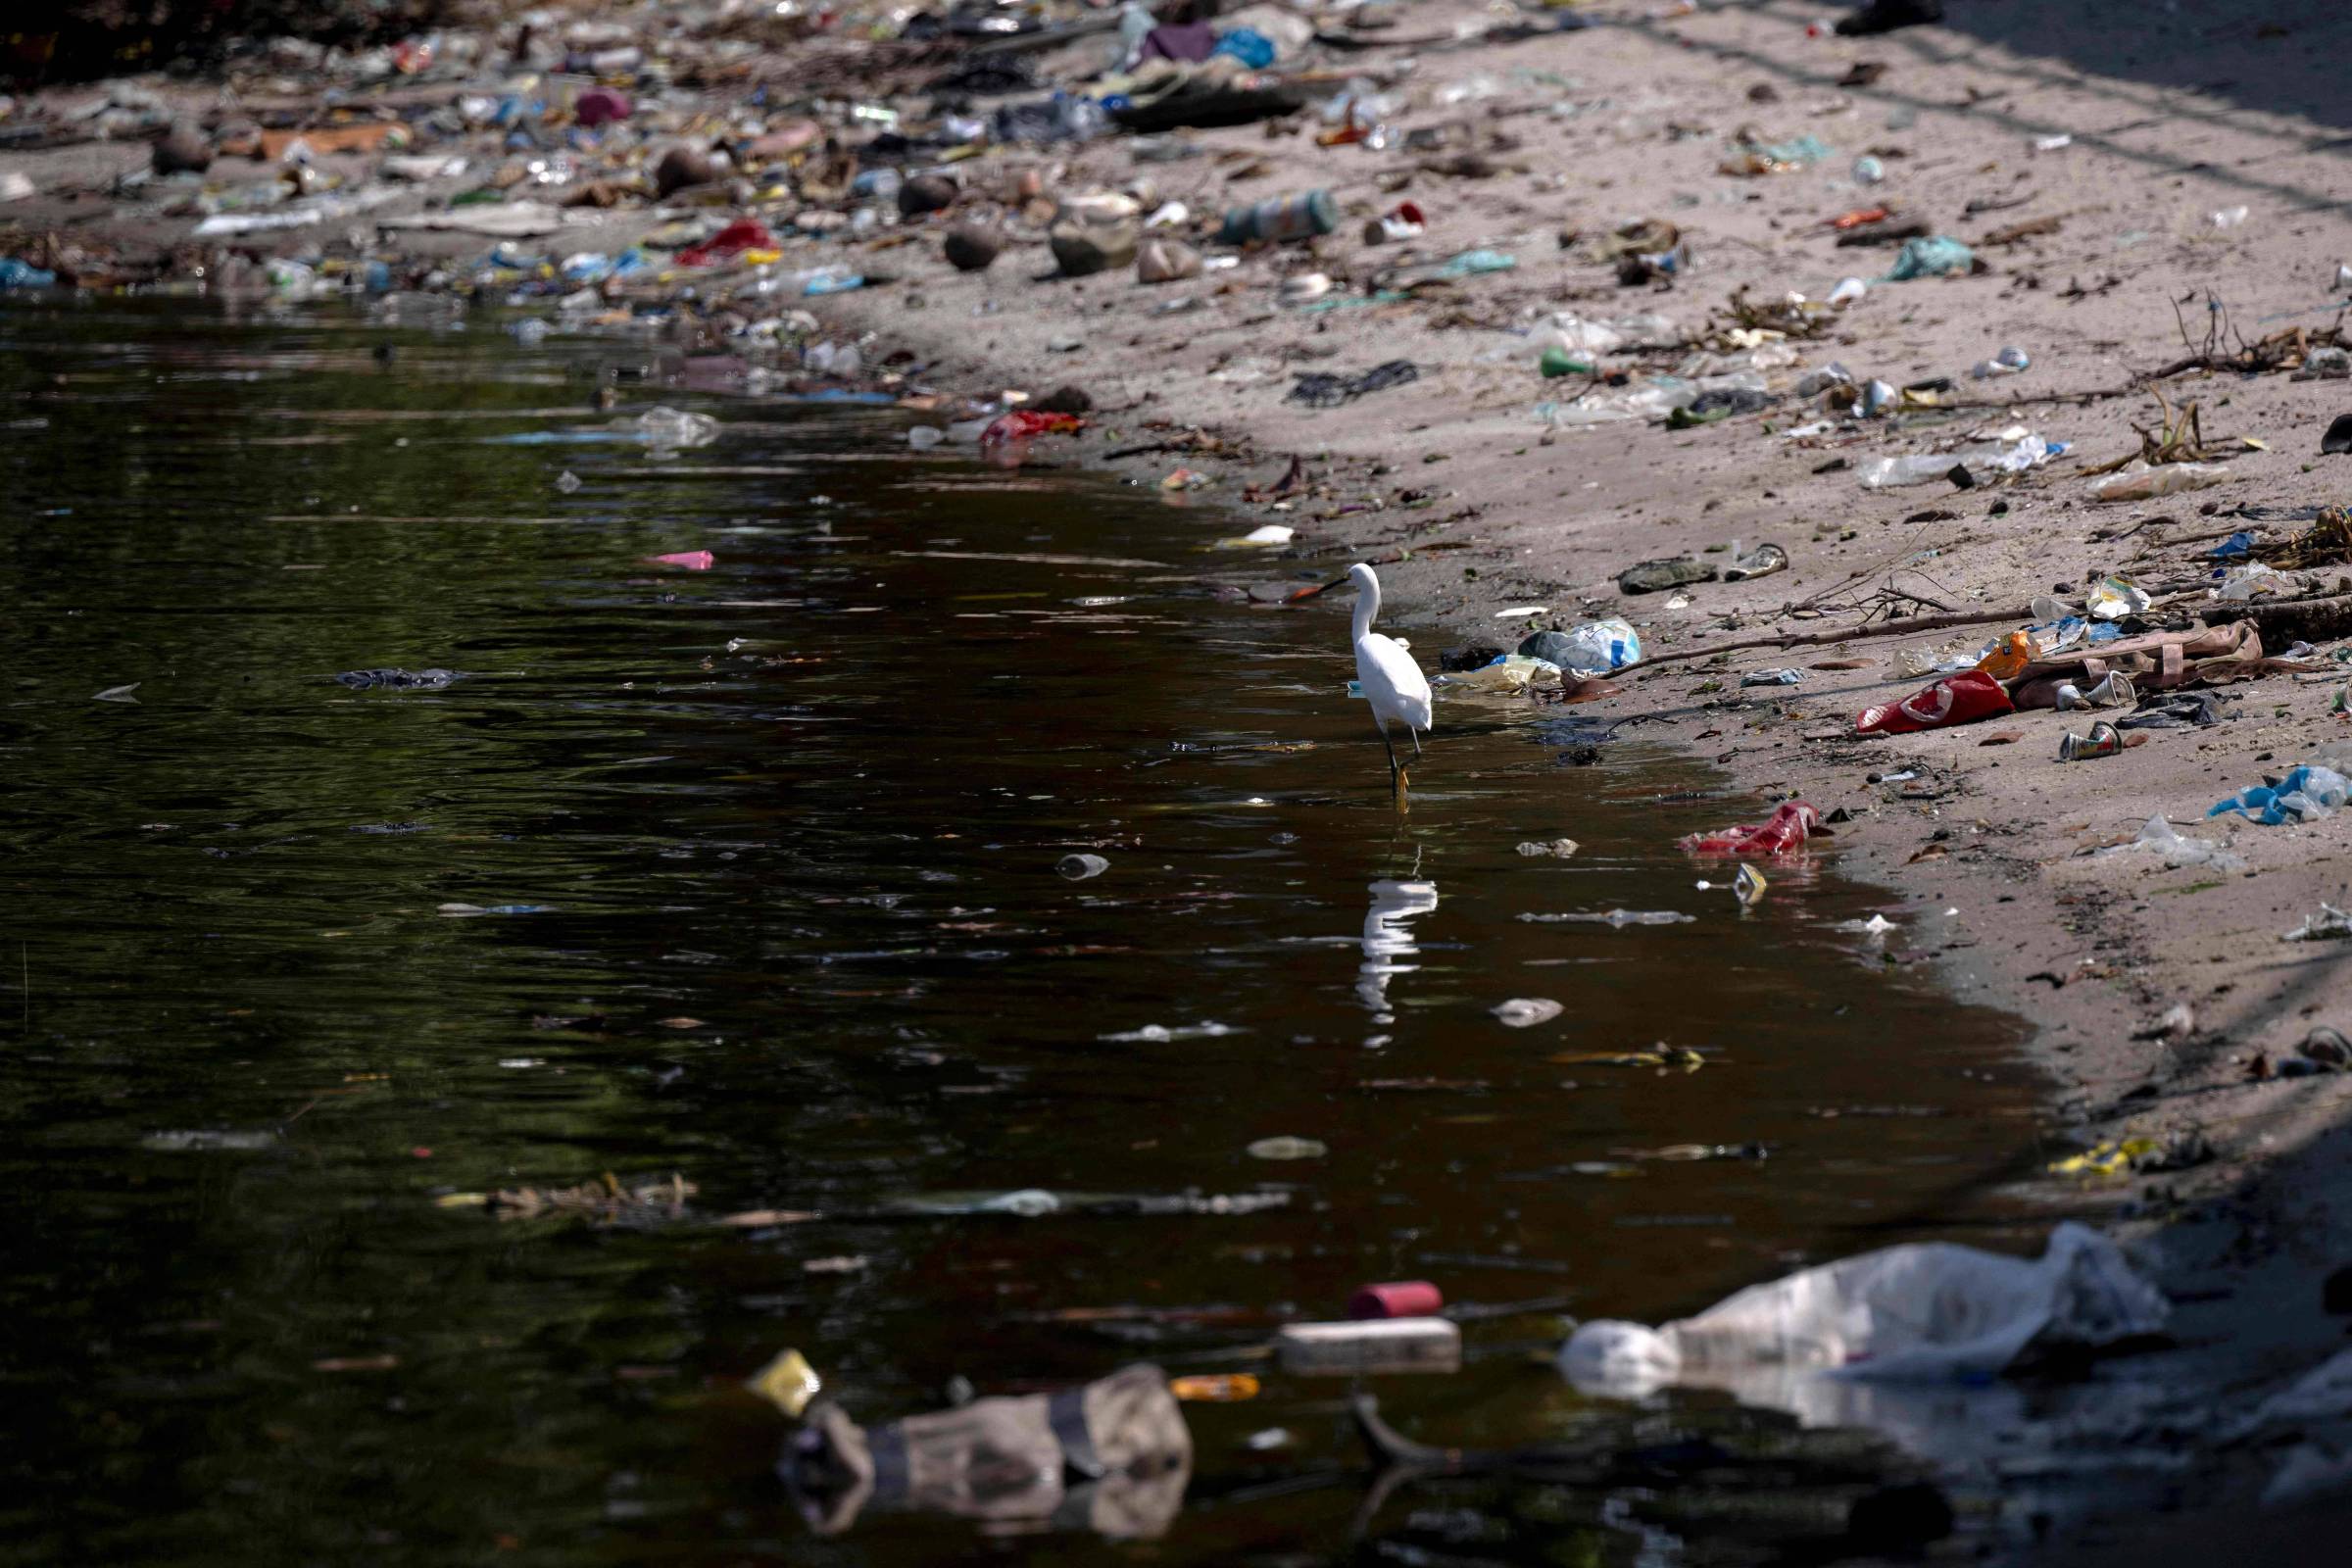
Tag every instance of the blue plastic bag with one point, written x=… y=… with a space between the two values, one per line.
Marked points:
x=1250 y=46
x=2307 y=794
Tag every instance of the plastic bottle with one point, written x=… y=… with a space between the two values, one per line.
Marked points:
x=1371 y=1344
x=1558 y=362
x=2142 y=483
x=1135 y=26
x=1894 y=473
x=1282 y=219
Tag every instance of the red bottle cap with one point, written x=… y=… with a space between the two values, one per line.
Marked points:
x=1397 y=1299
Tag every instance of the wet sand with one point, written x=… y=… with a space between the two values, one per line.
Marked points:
x=1994 y=848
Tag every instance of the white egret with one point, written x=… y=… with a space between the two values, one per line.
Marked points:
x=1392 y=682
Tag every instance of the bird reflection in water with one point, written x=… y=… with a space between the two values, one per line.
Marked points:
x=1387 y=938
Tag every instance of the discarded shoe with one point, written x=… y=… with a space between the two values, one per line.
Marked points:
x=1761 y=561
x=1668 y=572
x=1321 y=389
x=1960 y=699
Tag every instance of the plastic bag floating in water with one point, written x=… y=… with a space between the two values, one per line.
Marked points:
x=1931 y=1311
x=670 y=428
x=396 y=680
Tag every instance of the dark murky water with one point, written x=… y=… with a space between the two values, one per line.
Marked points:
x=753 y=869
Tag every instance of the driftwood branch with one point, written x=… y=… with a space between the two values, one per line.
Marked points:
x=1826 y=639
x=2312 y=619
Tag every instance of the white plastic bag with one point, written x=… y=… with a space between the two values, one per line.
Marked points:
x=2176 y=849
x=1600 y=645
x=1510 y=676
x=1930 y=1311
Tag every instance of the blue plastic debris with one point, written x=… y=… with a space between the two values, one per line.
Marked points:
x=1932 y=255
x=2306 y=794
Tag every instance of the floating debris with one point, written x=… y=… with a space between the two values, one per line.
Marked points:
x=605 y=1202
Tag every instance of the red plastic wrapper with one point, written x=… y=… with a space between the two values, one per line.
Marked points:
x=743 y=234
x=1960 y=699
x=1021 y=425
x=1785 y=831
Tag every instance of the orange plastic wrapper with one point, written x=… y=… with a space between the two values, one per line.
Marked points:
x=1215 y=1388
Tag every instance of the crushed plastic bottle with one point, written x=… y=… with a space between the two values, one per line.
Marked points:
x=842 y=359
x=2008 y=362
x=1571 y=332
x=1652 y=399
x=1982 y=462
x=1815 y=382
x=2138 y=481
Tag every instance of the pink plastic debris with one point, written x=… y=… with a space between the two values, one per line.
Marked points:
x=691 y=559
x=1784 y=832
x=601 y=106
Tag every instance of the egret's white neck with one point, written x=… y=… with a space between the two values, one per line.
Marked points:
x=1367 y=605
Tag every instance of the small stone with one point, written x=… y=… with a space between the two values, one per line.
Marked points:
x=1167 y=260
x=181 y=149
x=971 y=250
x=1065 y=399
x=1468 y=655
x=2327 y=1046
x=927 y=193
x=2336 y=1291
x=1084 y=249
x=1900 y=1519
x=681 y=166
